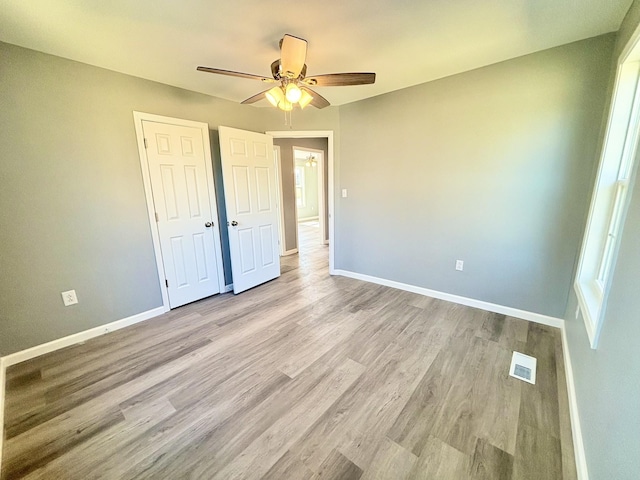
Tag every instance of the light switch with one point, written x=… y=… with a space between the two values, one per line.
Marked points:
x=344 y=193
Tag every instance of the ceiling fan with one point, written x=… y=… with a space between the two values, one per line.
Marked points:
x=289 y=73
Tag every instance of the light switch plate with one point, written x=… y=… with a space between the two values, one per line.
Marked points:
x=69 y=298
x=344 y=193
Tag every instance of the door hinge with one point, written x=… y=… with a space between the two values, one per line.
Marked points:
x=157 y=217
x=166 y=282
x=145 y=143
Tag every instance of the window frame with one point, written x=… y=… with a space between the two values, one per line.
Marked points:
x=610 y=199
x=300 y=184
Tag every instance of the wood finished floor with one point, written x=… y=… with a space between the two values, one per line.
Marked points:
x=306 y=377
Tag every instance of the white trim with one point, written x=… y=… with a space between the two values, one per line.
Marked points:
x=79 y=337
x=328 y=134
x=138 y=118
x=295 y=198
x=3 y=369
x=320 y=178
x=290 y=252
x=54 y=345
x=576 y=430
x=619 y=146
x=469 y=302
x=278 y=161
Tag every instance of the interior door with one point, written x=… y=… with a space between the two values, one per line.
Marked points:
x=249 y=179
x=184 y=216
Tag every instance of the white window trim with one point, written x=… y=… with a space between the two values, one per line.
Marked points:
x=301 y=184
x=611 y=195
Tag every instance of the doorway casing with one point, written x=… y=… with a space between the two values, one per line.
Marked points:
x=321 y=200
x=328 y=134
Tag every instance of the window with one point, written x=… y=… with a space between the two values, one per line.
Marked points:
x=301 y=197
x=610 y=199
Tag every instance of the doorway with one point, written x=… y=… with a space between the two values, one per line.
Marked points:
x=310 y=191
x=309 y=141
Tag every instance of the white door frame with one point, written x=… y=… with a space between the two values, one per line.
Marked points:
x=138 y=118
x=328 y=134
x=278 y=162
x=321 y=212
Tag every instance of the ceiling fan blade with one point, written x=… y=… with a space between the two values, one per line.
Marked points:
x=318 y=100
x=235 y=74
x=256 y=98
x=340 y=79
x=293 y=54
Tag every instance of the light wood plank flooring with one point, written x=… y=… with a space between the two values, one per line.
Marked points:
x=306 y=377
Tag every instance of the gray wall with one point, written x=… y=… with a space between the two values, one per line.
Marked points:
x=73 y=212
x=607 y=379
x=491 y=166
x=288 y=193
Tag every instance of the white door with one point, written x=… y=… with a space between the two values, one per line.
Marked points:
x=249 y=178
x=181 y=196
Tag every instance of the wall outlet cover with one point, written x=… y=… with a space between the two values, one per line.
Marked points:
x=459 y=265
x=69 y=298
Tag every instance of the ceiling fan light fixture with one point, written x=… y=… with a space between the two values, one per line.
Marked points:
x=285 y=105
x=305 y=99
x=275 y=96
x=289 y=74
x=293 y=93
x=311 y=161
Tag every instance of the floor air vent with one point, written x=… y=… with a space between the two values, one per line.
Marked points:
x=523 y=367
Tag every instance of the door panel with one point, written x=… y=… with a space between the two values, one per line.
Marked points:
x=263 y=188
x=241 y=189
x=247 y=257
x=248 y=173
x=266 y=241
x=180 y=192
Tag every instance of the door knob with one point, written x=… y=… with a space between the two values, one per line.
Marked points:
x=208 y=224
x=234 y=223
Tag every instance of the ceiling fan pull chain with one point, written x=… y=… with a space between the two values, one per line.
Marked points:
x=287 y=119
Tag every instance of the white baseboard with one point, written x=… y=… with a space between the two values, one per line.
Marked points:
x=54 y=345
x=576 y=430
x=2 y=385
x=469 y=302
x=290 y=252
x=63 y=342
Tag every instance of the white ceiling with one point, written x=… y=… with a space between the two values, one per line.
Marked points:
x=406 y=42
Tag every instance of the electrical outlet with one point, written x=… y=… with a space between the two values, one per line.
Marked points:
x=69 y=298
x=459 y=265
